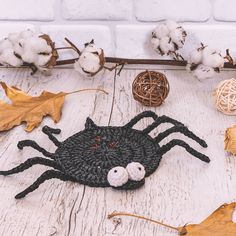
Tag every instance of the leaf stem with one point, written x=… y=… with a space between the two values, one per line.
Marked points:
x=141 y=217
x=83 y=90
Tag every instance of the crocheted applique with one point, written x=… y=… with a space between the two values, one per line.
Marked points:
x=108 y=156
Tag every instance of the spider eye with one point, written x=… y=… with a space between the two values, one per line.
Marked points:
x=117 y=176
x=136 y=171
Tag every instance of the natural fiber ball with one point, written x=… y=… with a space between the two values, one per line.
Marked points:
x=225 y=97
x=150 y=88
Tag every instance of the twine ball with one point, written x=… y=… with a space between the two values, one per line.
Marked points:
x=150 y=88
x=225 y=97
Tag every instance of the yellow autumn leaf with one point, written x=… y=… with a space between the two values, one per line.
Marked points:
x=230 y=140
x=219 y=223
x=25 y=108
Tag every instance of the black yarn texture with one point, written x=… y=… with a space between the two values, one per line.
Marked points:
x=88 y=156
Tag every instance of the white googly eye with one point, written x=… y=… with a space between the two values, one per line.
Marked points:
x=117 y=176
x=136 y=171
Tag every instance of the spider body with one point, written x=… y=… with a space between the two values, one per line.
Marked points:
x=89 y=155
x=119 y=157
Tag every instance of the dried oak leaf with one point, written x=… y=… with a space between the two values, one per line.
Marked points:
x=25 y=108
x=219 y=223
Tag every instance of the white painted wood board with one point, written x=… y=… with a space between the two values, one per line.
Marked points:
x=182 y=190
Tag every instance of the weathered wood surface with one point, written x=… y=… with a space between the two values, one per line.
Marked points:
x=182 y=190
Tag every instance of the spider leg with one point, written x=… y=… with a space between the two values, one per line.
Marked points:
x=176 y=142
x=49 y=174
x=33 y=144
x=140 y=116
x=160 y=120
x=29 y=163
x=182 y=129
x=49 y=132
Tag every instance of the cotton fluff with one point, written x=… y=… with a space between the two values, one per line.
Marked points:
x=91 y=60
x=168 y=37
x=204 y=62
x=7 y=57
x=25 y=47
x=203 y=72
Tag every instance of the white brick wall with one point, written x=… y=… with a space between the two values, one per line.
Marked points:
x=122 y=27
x=179 y=10
x=97 y=9
x=42 y=10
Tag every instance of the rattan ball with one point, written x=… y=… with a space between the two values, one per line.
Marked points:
x=225 y=97
x=150 y=88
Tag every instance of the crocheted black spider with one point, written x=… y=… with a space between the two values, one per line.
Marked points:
x=120 y=157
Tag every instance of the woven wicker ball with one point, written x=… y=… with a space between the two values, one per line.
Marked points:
x=225 y=97
x=150 y=88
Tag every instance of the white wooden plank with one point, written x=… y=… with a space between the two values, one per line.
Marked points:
x=47 y=211
x=182 y=190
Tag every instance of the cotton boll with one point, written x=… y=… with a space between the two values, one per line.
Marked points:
x=29 y=57
x=91 y=47
x=204 y=62
x=171 y=35
x=166 y=45
x=28 y=47
x=178 y=37
x=8 y=58
x=208 y=50
x=79 y=69
x=195 y=57
x=155 y=43
x=82 y=71
x=89 y=62
x=171 y=25
x=37 y=45
x=212 y=58
x=42 y=60
x=18 y=48
x=13 y=37
x=215 y=61
x=203 y=72
x=26 y=34
x=4 y=44
x=160 y=31
x=42 y=46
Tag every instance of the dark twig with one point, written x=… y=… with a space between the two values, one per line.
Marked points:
x=228 y=57
x=127 y=61
x=73 y=46
x=121 y=68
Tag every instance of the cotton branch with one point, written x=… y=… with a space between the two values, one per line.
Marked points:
x=128 y=61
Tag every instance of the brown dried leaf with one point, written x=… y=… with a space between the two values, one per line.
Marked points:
x=230 y=140
x=31 y=110
x=219 y=223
